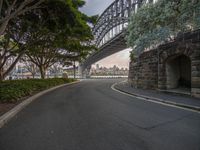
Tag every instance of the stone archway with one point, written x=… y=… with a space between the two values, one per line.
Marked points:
x=173 y=59
x=178 y=72
x=172 y=65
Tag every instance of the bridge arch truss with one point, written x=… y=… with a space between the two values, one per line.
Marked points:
x=115 y=19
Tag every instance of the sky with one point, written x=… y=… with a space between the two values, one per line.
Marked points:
x=120 y=59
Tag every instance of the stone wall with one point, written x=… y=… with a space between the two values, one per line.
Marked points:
x=143 y=73
x=150 y=70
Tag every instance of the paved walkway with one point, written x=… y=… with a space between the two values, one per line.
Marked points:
x=181 y=100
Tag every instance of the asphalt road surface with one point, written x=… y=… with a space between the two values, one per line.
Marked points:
x=91 y=116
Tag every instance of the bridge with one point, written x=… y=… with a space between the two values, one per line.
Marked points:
x=109 y=31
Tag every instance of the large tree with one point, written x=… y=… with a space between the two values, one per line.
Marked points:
x=14 y=42
x=154 y=24
x=62 y=36
x=11 y=51
x=56 y=29
x=29 y=66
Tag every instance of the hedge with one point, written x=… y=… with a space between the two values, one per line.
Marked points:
x=15 y=90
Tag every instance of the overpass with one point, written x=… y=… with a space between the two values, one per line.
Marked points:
x=110 y=30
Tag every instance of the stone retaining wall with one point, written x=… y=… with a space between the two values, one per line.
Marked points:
x=150 y=70
x=143 y=73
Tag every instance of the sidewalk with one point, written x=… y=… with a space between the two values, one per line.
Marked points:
x=170 y=98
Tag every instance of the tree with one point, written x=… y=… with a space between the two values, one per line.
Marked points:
x=56 y=69
x=14 y=42
x=43 y=58
x=10 y=9
x=158 y=23
x=46 y=34
x=61 y=36
x=31 y=67
x=10 y=53
x=47 y=52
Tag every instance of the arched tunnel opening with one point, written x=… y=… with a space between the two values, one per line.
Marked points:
x=178 y=72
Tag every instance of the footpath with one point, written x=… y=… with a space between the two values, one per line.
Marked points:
x=180 y=100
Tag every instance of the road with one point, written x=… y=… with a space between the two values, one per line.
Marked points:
x=91 y=116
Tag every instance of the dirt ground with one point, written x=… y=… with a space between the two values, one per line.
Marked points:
x=4 y=107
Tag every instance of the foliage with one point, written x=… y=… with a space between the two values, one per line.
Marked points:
x=61 y=35
x=10 y=53
x=55 y=31
x=154 y=24
x=10 y=9
x=29 y=66
x=132 y=56
x=14 y=90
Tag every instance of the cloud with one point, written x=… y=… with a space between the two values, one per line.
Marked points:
x=94 y=7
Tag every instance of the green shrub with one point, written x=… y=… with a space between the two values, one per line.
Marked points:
x=14 y=90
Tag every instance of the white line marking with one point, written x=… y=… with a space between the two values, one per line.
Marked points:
x=153 y=101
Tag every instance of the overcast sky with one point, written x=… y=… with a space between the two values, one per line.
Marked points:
x=94 y=7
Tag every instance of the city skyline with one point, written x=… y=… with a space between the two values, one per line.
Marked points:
x=107 y=71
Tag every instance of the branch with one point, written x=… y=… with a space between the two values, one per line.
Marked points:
x=13 y=64
x=24 y=8
x=11 y=7
x=1 y=4
x=30 y=57
x=20 y=10
x=3 y=63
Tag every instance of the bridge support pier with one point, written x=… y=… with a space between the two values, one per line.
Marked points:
x=80 y=71
x=87 y=72
x=84 y=72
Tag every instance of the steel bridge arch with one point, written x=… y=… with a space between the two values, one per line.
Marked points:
x=110 y=28
x=115 y=16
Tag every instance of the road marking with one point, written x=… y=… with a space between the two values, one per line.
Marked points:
x=151 y=100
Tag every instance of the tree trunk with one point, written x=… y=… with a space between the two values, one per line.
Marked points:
x=12 y=65
x=3 y=27
x=74 y=68
x=33 y=75
x=42 y=71
x=1 y=74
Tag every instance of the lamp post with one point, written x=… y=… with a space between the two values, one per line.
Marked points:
x=74 y=68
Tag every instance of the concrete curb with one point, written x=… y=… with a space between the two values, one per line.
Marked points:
x=11 y=113
x=191 y=107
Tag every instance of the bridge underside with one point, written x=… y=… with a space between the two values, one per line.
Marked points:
x=115 y=45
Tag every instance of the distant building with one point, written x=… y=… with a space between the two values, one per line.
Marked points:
x=112 y=71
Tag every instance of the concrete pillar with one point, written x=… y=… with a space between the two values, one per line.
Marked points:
x=80 y=71
x=87 y=72
x=84 y=72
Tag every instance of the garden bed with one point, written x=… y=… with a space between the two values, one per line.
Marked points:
x=12 y=92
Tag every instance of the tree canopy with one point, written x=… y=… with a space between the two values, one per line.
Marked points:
x=156 y=23
x=10 y=9
x=55 y=31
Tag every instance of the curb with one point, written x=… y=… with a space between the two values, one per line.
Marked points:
x=196 y=108
x=11 y=113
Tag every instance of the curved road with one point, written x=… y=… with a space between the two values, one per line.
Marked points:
x=91 y=116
